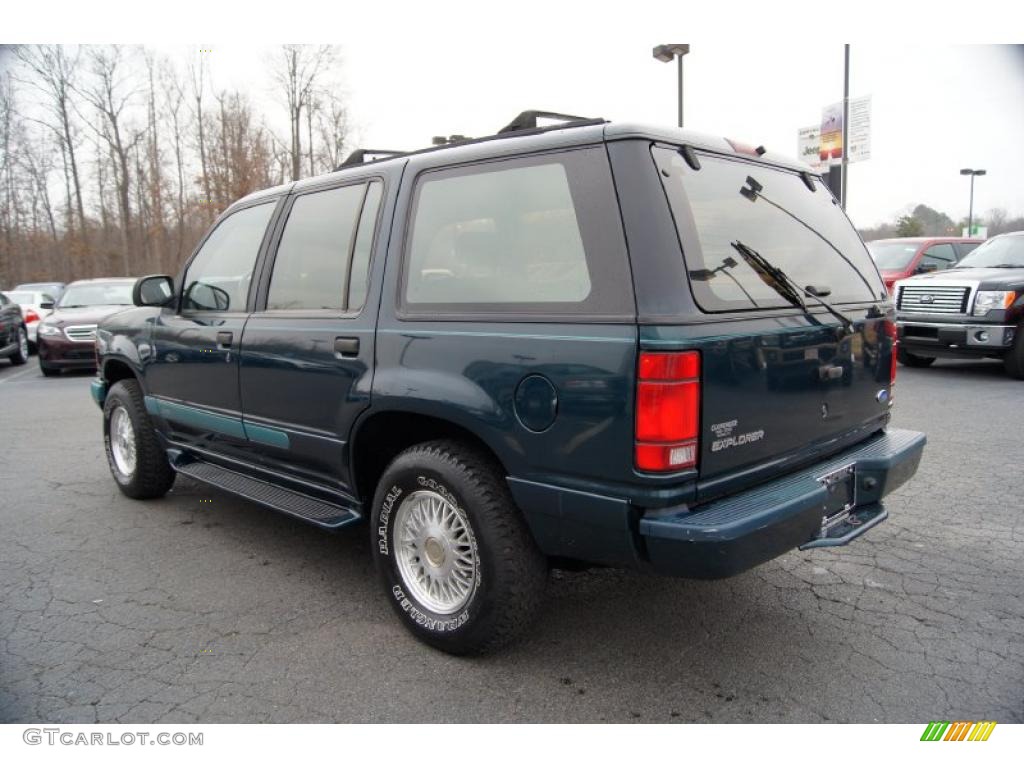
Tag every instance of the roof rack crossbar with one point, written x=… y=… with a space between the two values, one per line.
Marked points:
x=528 y=119
x=358 y=157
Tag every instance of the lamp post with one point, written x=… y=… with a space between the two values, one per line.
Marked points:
x=970 y=211
x=676 y=51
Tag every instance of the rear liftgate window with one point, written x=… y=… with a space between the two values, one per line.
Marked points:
x=538 y=235
x=712 y=214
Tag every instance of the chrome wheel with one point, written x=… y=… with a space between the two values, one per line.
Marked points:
x=122 y=441
x=436 y=552
x=22 y=343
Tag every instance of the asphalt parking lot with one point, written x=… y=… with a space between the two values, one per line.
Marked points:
x=202 y=607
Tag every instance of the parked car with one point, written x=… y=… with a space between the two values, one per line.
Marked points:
x=458 y=346
x=35 y=305
x=56 y=290
x=902 y=257
x=13 y=334
x=975 y=310
x=66 y=338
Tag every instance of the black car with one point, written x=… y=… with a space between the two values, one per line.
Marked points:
x=587 y=343
x=974 y=310
x=13 y=334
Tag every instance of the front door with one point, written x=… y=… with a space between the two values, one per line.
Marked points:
x=192 y=371
x=307 y=352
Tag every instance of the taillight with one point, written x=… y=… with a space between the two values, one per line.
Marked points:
x=893 y=334
x=31 y=316
x=667 y=411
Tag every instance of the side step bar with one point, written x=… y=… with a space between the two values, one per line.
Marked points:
x=316 y=511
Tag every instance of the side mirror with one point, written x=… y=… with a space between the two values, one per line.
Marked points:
x=48 y=304
x=922 y=268
x=153 y=291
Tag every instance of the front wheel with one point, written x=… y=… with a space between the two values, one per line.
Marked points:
x=911 y=360
x=455 y=557
x=136 y=458
x=1014 y=359
x=20 y=356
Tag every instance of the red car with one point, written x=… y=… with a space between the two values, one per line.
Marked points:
x=902 y=257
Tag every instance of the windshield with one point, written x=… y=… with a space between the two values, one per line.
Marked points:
x=1003 y=251
x=892 y=256
x=97 y=294
x=22 y=297
x=708 y=203
x=51 y=288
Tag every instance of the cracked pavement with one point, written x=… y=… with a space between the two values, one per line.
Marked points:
x=202 y=607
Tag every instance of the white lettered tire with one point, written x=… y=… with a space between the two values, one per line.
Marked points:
x=455 y=557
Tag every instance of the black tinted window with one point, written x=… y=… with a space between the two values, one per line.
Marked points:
x=219 y=276
x=311 y=267
x=711 y=214
x=529 y=235
x=963 y=249
x=364 y=244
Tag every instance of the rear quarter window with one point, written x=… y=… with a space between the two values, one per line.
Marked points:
x=538 y=235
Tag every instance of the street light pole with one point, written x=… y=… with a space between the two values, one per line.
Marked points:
x=970 y=211
x=666 y=53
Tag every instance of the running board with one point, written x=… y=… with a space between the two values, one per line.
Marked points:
x=316 y=511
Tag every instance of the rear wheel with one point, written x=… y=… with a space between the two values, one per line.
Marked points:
x=456 y=559
x=136 y=458
x=911 y=360
x=20 y=355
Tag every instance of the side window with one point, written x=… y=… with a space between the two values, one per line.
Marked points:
x=939 y=256
x=364 y=245
x=219 y=276
x=963 y=249
x=539 y=234
x=311 y=267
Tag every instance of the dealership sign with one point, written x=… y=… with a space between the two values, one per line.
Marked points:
x=822 y=145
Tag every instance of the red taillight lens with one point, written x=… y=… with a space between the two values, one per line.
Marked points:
x=893 y=334
x=667 y=411
x=31 y=316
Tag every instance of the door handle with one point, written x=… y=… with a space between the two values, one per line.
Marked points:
x=224 y=339
x=346 y=346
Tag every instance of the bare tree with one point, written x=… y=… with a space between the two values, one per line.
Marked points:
x=109 y=93
x=173 y=99
x=296 y=72
x=333 y=127
x=197 y=78
x=53 y=71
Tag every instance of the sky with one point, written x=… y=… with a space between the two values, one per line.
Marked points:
x=470 y=69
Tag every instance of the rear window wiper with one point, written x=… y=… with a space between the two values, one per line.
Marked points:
x=753 y=191
x=786 y=287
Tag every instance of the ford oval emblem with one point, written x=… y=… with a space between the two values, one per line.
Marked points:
x=882 y=396
x=927 y=299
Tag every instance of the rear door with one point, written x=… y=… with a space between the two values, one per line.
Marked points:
x=778 y=384
x=307 y=353
x=192 y=370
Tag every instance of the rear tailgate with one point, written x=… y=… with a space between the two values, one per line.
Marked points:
x=777 y=392
x=780 y=385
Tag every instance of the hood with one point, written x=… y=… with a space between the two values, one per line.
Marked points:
x=84 y=315
x=985 y=277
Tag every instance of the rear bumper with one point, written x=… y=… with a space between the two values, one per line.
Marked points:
x=730 y=535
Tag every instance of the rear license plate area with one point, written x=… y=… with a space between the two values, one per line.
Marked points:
x=842 y=497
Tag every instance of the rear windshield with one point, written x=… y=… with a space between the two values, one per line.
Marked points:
x=892 y=255
x=711 y=214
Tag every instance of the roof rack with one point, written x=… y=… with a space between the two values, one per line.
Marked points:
x=528 y=120
x=524 y=123
x=360 y=156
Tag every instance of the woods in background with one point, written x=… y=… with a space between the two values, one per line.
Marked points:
x=115 y=159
